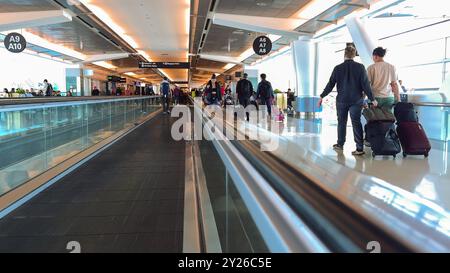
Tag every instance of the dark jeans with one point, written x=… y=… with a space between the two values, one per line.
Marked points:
x=176 y=100
x=268 y=103
x=245 y=102
x=165 y=101
x=355 y=114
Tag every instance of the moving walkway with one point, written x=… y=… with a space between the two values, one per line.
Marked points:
x=145 y=192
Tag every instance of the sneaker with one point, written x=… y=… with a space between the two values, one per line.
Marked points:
x=358 y=153
x=338 y=147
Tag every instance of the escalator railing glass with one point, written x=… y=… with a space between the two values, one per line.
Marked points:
x=37 y=137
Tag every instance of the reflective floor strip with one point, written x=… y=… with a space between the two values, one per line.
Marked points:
x=191 y=228
x=208 y=222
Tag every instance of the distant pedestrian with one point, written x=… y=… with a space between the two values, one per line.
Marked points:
x=95 y=92
x=176 y=95
x=165 y=93
x=404 y=89
x=212 y=92
x=244 y=91
x=48 y=88
x=265 y=93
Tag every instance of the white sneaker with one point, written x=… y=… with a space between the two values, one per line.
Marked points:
x=358 y=153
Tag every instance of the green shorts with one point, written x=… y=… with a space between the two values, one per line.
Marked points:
x=386 y=103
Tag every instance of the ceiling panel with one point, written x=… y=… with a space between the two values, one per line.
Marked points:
x=227 y=41
x=158 y=27
x=268 y=8
x=74 y=35
x=26 y=5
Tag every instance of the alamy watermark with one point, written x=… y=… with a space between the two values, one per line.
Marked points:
x=213 y=122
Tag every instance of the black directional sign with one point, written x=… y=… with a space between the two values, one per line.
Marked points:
x=15 y=42
x=262 y=45
x=165 y=65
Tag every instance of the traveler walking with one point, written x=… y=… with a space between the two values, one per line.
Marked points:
x=212 y=93
x=48 y=89
x=265 y=93
x=165 y=93
x=383 y=80
x=404 y=89
x=352 y=81
x=95 y=92
x=244 y=91
x=176 y=95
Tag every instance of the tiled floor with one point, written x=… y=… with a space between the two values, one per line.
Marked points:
x=128 y=199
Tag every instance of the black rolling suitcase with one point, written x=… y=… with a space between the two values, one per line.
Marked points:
x=405 y=112
x=383 y=138
x=380 y=132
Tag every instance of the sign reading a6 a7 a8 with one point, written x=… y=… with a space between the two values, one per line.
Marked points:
x=15 y=42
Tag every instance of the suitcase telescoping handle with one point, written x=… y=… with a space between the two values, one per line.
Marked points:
x=370 y=104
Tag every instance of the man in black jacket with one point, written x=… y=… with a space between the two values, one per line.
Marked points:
x=352 y=82
x=244 y=91
x=265 y=93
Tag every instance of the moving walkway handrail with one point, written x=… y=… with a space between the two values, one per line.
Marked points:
x=62 y=102
x=432 y=104
x=280 y=227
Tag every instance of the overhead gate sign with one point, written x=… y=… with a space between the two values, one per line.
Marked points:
x=262 y=45
x=166 y=65
x=15 y=42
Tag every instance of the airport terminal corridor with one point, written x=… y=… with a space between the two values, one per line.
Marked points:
x=230 y=127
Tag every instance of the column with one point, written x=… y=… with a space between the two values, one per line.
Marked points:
x=304 y=58
x=362 y=39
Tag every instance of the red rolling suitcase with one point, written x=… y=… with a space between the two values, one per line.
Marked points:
x=413 y=139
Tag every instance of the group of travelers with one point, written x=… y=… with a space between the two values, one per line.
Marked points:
x=46 y=90
x=168 y=94
x=357 y=88
x=354 y=84
x=215 y=94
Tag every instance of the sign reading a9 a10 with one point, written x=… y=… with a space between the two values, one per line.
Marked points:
x=15 y=42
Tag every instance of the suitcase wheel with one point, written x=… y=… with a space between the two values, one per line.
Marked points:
x=373 y=155
x=426 y=155
x=405 y=155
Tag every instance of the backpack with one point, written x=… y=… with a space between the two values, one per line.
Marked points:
x=264 y=90
x=246 y=92
x=49 y=90
x=165 y=88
